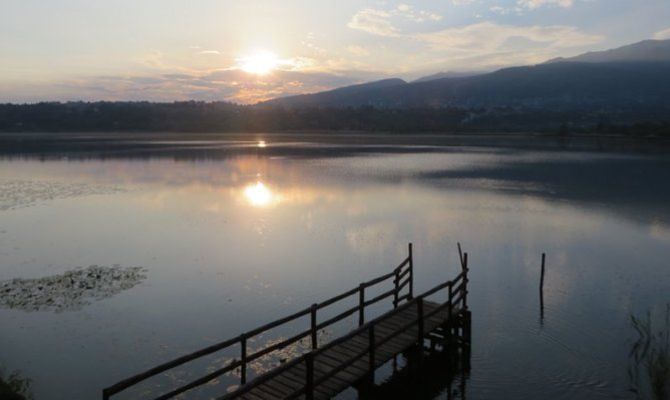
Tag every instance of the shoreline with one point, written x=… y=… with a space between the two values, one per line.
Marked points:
x=124 y=144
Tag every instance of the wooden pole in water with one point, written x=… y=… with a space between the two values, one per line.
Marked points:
x=542 y=289
x=542 y=276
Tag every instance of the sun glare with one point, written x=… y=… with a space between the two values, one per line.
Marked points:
x=260 y=62
x=258 y=194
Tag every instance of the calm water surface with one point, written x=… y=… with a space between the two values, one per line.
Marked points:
x=192 y=242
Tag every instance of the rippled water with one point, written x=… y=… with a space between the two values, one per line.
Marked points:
x=198 y=240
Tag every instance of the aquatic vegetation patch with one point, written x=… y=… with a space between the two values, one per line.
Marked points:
x=649 y=369
x=16 y=194
x=15 y=387
x=69 y=291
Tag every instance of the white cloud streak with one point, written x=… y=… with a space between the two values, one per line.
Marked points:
x=487 y=37
x=533 y=4
x=379 y=22
x=662 y=35
x=373 y=21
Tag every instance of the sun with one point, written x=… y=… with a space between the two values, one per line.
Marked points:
x=260 y=62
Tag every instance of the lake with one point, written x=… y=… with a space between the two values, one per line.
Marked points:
x=119 y=252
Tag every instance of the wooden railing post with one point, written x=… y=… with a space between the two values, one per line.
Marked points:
x=396 y=283
x=309 y=376
x=371 y=345
x=419 y=305
x=312 y=312
x=446 y=328
x=465 y=281
x=243 y=345
x=411 y=273
x=361 y=305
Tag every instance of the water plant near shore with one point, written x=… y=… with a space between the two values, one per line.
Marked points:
x=14 y=386
x=649 y=367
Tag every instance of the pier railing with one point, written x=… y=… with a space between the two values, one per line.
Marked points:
x=455 y=305
x=401 y=291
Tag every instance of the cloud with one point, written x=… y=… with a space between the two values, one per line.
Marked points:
x=500 y=10
x=533 y=4
x=489 y=36
x=373 y=21
x=521 y=6
x=491 y=45
x=408 y=12
x=662 y=35
x=358 y=50
x=379 y=22
x=205 y=52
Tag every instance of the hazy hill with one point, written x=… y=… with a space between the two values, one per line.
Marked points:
x=343 y=95
x=448 y=74
x=645 y=51
x=564 y=85
x=634 y=76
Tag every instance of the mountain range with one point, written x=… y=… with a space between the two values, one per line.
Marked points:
x=636 y=76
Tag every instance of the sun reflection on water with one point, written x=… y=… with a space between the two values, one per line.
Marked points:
x=259 y=195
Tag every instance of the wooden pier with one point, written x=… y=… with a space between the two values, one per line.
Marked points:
x=439 y=316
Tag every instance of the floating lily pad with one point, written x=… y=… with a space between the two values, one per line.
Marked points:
x=69 y=291
x=21 y=193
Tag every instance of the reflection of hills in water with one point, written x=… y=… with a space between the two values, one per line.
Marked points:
x=18 y=193
x=69 y=291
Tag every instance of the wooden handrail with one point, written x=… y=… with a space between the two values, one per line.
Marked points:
x=201 y=381
x=337 y=298
x=379 y=297
x=414 y=302
x=403 y=269
x=126 y=383
x=277 y=346
x=337 y=318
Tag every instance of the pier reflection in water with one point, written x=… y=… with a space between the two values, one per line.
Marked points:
x=441 y=375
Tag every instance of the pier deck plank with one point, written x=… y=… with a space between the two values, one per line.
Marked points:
x=293 y=379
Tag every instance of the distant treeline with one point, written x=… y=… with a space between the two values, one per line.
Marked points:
x=228 y=117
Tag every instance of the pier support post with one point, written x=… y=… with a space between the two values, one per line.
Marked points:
x=371 y=355
x=447 y=330
x=467 y=339
x=421 y=334
x=309 y=376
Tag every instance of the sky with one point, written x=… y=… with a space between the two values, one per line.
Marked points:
x=249 y=51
